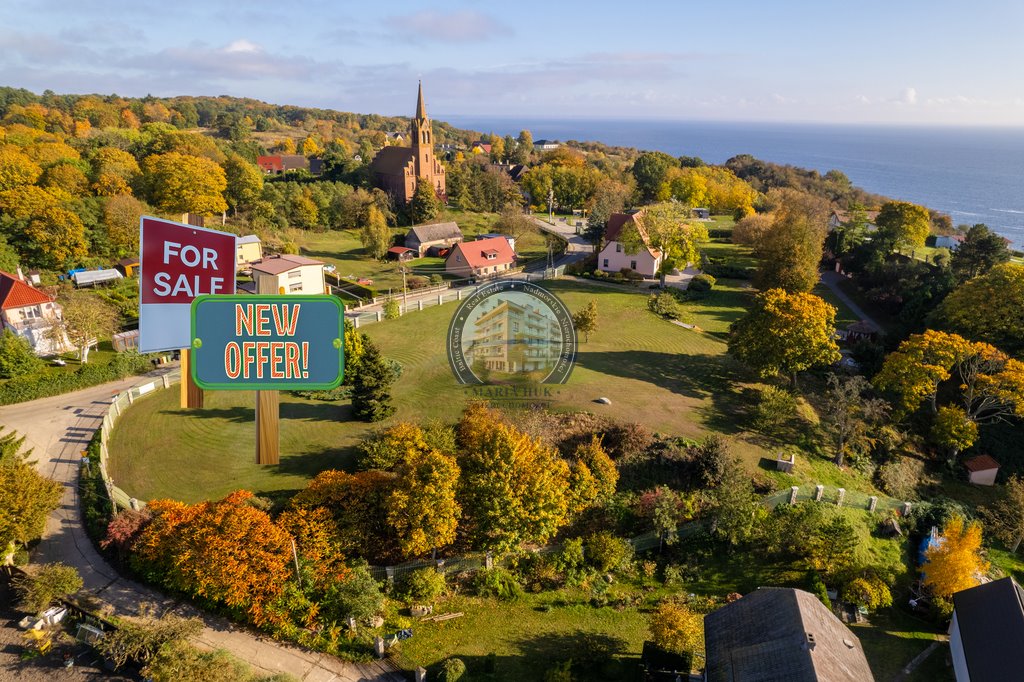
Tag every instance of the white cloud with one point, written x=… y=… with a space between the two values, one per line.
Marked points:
x=909 y=96
x=242 y=45
x=465 y=26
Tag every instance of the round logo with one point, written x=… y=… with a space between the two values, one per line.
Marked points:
x=511 y=331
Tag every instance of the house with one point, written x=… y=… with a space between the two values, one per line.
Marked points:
x=248 y=250
x=401 y=253
x=128 y=266
x=986 y=635
x=399 y=170
x=945 y=241
x=779 y=634
x=29 y=313
x=423 y=238
x=395 y=137
x=287 y=274
x=480 y=259
x=90 y=278
x=490 y=235
x=480 y=147
x=545 y=145
x=981 y=470
x=276 y=165
x=514 y=171
x=842 y=218
x=614 y=257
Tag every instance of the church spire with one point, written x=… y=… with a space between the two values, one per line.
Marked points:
x=421 y=108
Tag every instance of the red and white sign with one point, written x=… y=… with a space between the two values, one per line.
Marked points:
x=177 y=263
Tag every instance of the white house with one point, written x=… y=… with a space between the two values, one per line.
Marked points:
x=986 y=636
x=248 y=249
x=288 y=274
x=614 y=256
x=482 y=258
x=29 y=313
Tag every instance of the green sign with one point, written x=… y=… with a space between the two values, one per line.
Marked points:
x=267 y=343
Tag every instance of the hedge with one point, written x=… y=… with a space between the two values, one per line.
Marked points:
x=354 y=288
x=726 y=270
x=719 y=233
x=96 y=507
x=51 y=383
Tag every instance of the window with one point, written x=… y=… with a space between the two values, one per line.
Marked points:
x=295 y=274
x=618 y=247
x=292 y=288
x=632 y=265
x=605 y=263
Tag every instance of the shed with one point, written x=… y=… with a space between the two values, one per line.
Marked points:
x=401 y=253
x=90 y=278
x=128 y=340
x=982 y=470
x=128 y=266
x=861 y=330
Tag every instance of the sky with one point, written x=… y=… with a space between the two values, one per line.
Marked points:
x=907 y=62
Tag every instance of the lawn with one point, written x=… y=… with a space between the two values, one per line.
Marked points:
x=673 y=380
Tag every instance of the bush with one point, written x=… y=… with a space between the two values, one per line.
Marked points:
x=16 y=356
x=392 y=310
x=672 y=576
x=775 y=408
x=631 y=275
x=721 y=268
x=139 y=641
x=605 y=552
x=710 y=458
x=417 y=282
x=901 y=477
x=498 y=583
x=46 y=384
x=452 y=670
x=817 y=588
x=357 y=596
x=700 y=286
x=664 y=304
x=436 y=279
x=36 y=591
x=425 y=585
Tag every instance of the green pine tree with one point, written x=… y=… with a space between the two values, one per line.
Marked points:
x=371 y=394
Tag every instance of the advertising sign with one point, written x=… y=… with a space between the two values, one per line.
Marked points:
x=267 y=343
x=178 y=263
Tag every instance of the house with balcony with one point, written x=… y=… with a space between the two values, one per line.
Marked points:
x=29 y=313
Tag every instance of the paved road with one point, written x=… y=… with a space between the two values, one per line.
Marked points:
x=58 y=429
x=831 y=279
x=577 y=247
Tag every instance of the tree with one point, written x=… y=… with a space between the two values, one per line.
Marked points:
x=610 y=196
x=139 y=640
x=113 y=172
x=785 y=333
x=357 y=503
x=901 y=225
x=422 y=507
x=585 y=320
x=26 y=497
x=56 y=237
x=980 y=251
x=1005 y=517
x=515 y=223
x=513 y=487
x=736 y=512
x=310 y=147
x=358 y=596
x=833 y=546
x=751 y=230
x=650 y=170
x=425 y=204
x=524 y=147
x=869 y=591
x=244 y=182
x=37 y=590
x=954 y=563
x=375 y=234
x=371 y=391
x=666 y=509
x=84 y=320
x=989 y=308
x=677 y=629
x=849 y=414
x=16 y=356
x=183 y=183
x=790 y=250
x=953 y=430
x=16 y=168
x=668 y=230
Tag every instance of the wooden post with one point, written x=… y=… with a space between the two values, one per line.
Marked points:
x=268 y=439
x=191 y=394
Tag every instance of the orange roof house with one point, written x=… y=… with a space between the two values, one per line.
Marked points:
x=481 y=258
x=614 y=257
x=29 y=313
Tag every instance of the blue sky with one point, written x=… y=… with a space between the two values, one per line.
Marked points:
x=900 y=61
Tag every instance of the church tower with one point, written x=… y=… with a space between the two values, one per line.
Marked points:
x=422 y=134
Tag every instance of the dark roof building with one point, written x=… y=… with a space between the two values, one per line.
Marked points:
x=420 y=238
x=781 y=635
x=986 y=637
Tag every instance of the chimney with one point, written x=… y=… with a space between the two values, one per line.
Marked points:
x=809 y=643
x=21 y=277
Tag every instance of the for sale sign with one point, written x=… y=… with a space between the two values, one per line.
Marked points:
x=178 y=263
x=270 y=343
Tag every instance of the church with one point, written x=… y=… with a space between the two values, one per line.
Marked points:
x=398 y=170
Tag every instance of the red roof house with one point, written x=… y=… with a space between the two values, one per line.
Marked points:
x=270 y=164
x=29 y=313
x=480 y=258
x=982 y=470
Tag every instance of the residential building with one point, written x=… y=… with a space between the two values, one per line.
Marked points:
x=424 y=239
x=842 y=218
x=986 y=635
x=781 y=635
x=480 y=147
x=483 y=258
x=29 y=313
x=614 y=256
x=490 y=235
x=398 y=170
x=514 y=338
x=545 y=145
x=281 y=163
x=946 y=241
x=248 y=250
x=982 y=470
x=287 y=274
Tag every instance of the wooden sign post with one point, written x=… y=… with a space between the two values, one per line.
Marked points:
x=268 y=432
x=191 y=394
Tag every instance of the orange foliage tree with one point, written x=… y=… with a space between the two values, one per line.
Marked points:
x=955 y=563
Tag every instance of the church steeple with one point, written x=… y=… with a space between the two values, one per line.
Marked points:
x=422 y=138
x=421 y=108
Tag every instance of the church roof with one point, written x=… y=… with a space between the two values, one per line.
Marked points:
x=392 y=160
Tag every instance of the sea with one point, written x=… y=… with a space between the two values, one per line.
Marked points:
x=976 y=175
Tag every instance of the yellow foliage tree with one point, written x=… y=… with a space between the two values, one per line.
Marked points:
x=113 y=172
x=678 y=629
x=181 y=183
x=422 y=507
x=16 y=168
x=954 y=563
x=311 y=148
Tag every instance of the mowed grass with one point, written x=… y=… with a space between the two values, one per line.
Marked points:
x=673 y=380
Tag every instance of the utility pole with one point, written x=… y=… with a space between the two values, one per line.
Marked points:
x=405 y=289
x=551 y=205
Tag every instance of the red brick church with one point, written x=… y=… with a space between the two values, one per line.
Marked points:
x=398 y=170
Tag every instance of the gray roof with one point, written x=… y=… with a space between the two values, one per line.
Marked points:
x=781 y=635
x=248 y=239
x=990 y=618
x=90 y=277
x=434 y=232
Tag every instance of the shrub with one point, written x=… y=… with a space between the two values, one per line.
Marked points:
x=631 y=275
x=417 y=282
x=664 y=304
x=16 y=356
x=358 y=596
x=775 y=408
x=571 y=558
x=710 y=458
x=605 y=552
x=425 y=585
x=648 y=569
x=672 y=576
x=392 y=310
x=452 y=670
x=498 y=583
x=901 y=477
x=700 y=285
x=339 y=393
x=46 y=384
x=817 y=588
x=721 y=268
x=627 y=441
x=560 y=672
x=436 y=279
x=36 y=591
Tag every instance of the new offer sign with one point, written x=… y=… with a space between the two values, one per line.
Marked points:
x=267 y=342
x=178 y=263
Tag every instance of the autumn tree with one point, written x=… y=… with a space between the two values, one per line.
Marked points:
x=1005 y=517
x=650 y=171
x=421 y=507
x=789 y=252
x=751 y=230
x=786 y=333
x=121 y=214
x=989 y=308
x=16 y=168
x=84 y=320
x=954 y=563
x=849 y=414
x=869 y=591
x=357 y=503
x=56 y=238
x=513 y=487
x=182 y=183
x=980 y=251
x=592 y=477
x=425 y=205
x=524 y=147
x=668 y=229
x=244 y=182
x=666 y=508
x=585 y=320
x=318 y=542
x=310 y=147
x=375 y=234
x=901 y=225
x=114 y=172
x=26 y=497
x=676 y=628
